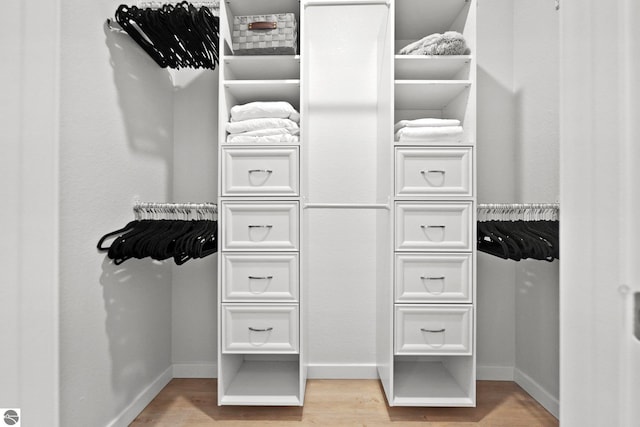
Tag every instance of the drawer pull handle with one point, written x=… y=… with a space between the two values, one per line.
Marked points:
x=261 y=226
x=424 y=172
x=432 y=278
x=260 y=170
x=261 y=277
x=260 y=329
x=434 y=331
x=432 y=226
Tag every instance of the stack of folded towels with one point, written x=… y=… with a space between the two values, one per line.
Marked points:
x=263 y=122
x=428 y=130
x=449 y=43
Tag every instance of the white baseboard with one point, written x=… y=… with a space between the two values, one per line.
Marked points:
x=494 y=373
x=142 y=400
x=546 y=399
x=195 y=370
x=342 y=371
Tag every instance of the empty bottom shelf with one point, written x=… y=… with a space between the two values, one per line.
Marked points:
x=419 y=383
x=264 y=383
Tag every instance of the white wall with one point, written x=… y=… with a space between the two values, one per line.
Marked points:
x=536 y=83
x=496 y=170
x=195 y=177
x=518 y=148
x=115 y=146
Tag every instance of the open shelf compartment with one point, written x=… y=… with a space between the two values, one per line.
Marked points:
x=262 y=67
x=434 y=381
x=266 y=380
x=242 y=92
x=434 y=67
x=416 y=19
x=429 y=94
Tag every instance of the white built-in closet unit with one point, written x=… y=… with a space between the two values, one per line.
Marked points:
x=347 y=203
x=260 y=335
x=426 y=311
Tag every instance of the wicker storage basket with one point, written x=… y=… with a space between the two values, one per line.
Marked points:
x=275 y=34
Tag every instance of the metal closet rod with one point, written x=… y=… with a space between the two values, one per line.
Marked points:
x=518 y=206
x=346 y=206
x=159 y=4
x=175 y=207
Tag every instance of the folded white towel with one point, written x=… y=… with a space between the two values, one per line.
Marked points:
x=260 y=109
x=271 y=131
x=427 y=122
x=430 y=134
x=259 y=124
x=240 y=138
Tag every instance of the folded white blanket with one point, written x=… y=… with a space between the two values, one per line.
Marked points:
x=259 y=124
x=240 y=138
x=449 y=43
x=427 y=122
x=260 y=109
x=430 y=134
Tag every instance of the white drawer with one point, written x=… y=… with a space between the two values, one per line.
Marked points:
x=426 y=330
x=259 y=277
x=260 y=171
x=257 y=226
x=260 y=329
x=433 y=171
x=433 y=226
x=433 y=278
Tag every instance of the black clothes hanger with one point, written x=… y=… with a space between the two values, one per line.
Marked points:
x=161 y=239
x=175 y=35
x=519 y=239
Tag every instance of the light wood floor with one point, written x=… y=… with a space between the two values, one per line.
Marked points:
x=193 y=402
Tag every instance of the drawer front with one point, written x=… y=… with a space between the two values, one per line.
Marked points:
x=433 y=226
x=433 y=171
x=260 y=171
x=260 y=329
x=260 y=277
x=433 y=278
x=428 y=330
x=269 y=226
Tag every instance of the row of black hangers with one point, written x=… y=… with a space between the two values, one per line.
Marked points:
x=174 y=35
x=162 y=239
x=520 y=239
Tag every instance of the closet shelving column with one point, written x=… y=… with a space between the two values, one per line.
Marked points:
x=260 y=339
x=433 y=315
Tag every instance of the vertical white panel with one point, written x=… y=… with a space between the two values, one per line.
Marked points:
x=630 y=91
x=599 y=97
x=341 y=62
x=29 y=172
x=341 y=282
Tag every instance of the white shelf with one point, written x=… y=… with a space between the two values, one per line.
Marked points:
x=262 y=67
x=268 y=383
x=253 y=7
x=420 y=383
x=420 y=18
x=427 y=94
x=264 y=90
x=422 y=67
